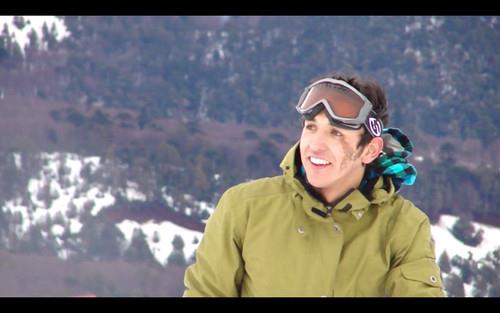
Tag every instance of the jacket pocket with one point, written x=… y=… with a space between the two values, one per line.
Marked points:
x=425 y=271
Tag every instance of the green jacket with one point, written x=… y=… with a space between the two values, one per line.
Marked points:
x=264 y=239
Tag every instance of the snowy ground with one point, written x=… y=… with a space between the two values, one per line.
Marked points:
x=165 y=232
x=61 y=176
x=445 y=241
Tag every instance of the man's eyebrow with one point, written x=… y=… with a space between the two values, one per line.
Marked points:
x=336 y=128
x=311 y=119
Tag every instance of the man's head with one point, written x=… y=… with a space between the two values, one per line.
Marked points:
x=335 y=144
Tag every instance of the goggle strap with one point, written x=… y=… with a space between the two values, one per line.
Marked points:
x=374 y=125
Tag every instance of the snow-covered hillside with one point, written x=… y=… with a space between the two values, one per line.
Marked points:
x=19 y=28
x=56 y=189
x=68 y=186
x=62 y=193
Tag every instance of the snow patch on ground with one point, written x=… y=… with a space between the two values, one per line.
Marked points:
x=165 y=232
x=445 y=241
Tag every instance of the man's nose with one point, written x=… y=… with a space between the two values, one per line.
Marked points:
x=317 y=143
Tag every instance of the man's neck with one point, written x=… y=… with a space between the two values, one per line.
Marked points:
x=334 y=192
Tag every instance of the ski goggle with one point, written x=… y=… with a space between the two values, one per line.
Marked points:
x=345 y=105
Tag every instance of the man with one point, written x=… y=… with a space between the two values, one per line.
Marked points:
x=333 y=224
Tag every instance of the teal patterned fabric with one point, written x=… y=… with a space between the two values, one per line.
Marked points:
x=393 y=162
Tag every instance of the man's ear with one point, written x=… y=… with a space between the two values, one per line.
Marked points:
x=372 y=150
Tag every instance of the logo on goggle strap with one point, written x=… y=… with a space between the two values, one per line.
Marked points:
x=375 y=126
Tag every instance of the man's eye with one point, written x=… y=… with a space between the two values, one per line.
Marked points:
x=310 y=127
x=336 y=133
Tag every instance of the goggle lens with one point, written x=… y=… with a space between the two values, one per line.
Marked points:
x=342 y=101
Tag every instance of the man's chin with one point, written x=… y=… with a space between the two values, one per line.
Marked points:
x=318 y=184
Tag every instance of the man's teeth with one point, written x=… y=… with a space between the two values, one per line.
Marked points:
x=318 y=161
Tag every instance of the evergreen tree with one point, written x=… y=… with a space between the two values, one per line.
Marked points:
x=444 y=263
x=4 y=226
x=192 y=258
x=178 y=243
x=7 y=40
x=168 y=155
x=4 y=50
x=468 y=267
x=139 y=250
x=72 y=211
x=19 y=22
x=101 y=240
x=489 y=271
x=44 y=194
x=52 y=135
x=33 y=44
x=251 y=135
x=177 y=256
x=201 y=183
x=16 y=53
x=59 y=218
x=53 y=30
x=33 y=242
x=156 y=237
x=494 y=290
x=454 y=286
x=464 y=230
x=45 y=35
x=144 y=118
x=100 y=118
x=448 y=153
x=480 y=287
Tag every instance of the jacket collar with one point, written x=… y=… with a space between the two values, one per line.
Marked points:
x=352 y=202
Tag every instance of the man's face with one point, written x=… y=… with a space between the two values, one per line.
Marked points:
x=329 y=154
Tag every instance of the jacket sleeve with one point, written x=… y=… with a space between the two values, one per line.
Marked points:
x=414 y=271
x=218 y=269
